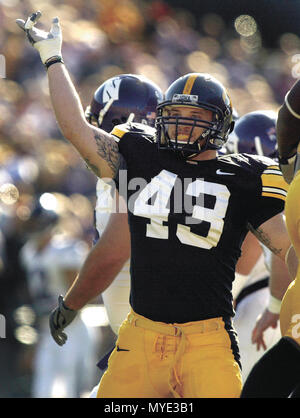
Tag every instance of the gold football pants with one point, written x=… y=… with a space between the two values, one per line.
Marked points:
x=157 y=360
x=290 y=307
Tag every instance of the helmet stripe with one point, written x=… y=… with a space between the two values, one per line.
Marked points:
x=189 y=84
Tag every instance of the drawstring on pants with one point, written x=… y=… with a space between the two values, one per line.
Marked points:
x=175 y=330
x=180 y=350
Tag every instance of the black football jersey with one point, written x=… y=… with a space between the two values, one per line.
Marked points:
x=187 y=222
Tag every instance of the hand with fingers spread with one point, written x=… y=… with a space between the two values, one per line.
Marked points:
x=48 y=44
x=266 y=320
x=59 y=319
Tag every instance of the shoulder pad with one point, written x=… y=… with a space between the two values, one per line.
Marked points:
x=133 y=128
x=267 y=161
x=142 y=128
x=248 y=159
x=236 y=159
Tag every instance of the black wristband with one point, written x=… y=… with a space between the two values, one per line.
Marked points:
x=53 y=60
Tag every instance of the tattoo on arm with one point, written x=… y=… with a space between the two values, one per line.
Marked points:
x=109 y=151
x=92 y=167
x=264 y=239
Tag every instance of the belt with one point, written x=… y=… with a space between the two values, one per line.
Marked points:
x=176 y=330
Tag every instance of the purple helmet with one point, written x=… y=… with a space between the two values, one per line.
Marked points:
x=121 y=97
x=255 y=133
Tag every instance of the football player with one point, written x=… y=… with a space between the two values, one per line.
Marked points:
x=277 y=373
x=188 y=212
x=255 y=133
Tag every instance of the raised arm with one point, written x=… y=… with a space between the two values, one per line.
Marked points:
x=97 y=148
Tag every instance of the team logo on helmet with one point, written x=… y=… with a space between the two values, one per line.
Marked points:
x=122 y=99
x=185 y=98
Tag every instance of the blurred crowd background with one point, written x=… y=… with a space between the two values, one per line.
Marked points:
x=253 y=47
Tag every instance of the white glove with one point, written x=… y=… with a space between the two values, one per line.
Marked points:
x=49 y=43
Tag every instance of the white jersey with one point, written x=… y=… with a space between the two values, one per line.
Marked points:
x=116 y=296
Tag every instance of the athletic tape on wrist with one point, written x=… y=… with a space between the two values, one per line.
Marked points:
x=274 y=305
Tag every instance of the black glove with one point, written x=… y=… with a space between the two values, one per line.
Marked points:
x=59 y=319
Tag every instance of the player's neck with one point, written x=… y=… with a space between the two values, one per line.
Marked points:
x=206 y=155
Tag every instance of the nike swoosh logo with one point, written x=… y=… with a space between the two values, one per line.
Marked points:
x=121 y=349
x=225 y=173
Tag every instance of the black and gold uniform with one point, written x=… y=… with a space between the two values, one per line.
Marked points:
x=187 y=222
x=187 y=226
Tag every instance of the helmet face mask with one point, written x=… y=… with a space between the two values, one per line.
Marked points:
x=108 y=119
x=124 y=97
x=172 y=127
x=211 y=99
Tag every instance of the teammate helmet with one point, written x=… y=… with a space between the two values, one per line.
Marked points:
x=121 y=97
x=196 y=90
x=255 y=133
